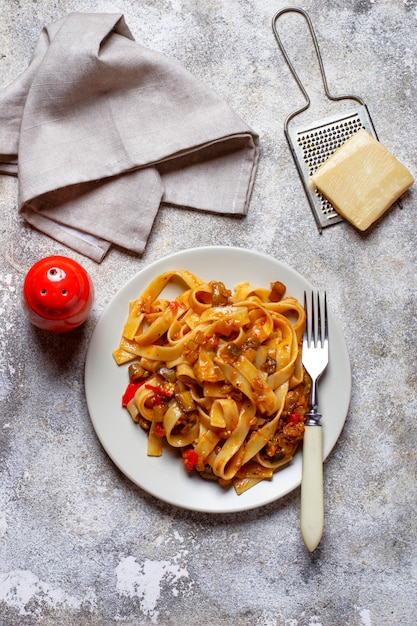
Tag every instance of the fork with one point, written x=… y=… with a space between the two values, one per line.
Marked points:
x=315 y=358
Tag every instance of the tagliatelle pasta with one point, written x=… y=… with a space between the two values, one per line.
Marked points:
x=218 y=375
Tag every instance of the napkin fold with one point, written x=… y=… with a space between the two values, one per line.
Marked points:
x=100 y=130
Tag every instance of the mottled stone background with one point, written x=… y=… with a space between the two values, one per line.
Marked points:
x=79 y=544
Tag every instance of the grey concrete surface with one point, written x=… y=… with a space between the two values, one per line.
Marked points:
x=79 y=544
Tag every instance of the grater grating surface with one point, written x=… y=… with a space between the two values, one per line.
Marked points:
x=314 y=143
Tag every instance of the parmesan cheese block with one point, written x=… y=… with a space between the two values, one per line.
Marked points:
x=362 y=179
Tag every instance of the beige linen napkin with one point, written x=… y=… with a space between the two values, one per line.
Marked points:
x=100 y=130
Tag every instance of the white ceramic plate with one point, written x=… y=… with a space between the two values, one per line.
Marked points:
x=125 y=442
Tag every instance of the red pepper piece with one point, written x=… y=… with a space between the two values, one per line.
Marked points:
x=214 y=341
x=190 y=459
x=295 y=418
x=174 y=306
x=129 y=393
x=159 y=430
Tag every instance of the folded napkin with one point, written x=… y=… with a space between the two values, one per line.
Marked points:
x=100 y=130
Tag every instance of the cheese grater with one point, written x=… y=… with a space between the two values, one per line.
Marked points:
x=315 y=142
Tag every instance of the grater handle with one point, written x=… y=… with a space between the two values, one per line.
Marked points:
x=319 y=58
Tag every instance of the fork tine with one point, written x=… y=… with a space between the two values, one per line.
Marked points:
x=310 y=320
x=305 y=337
x=309 y=331
x=319 y=321
x=315 y=325
x=323 y=329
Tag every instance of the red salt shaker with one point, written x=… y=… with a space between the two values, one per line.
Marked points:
x=58 y=294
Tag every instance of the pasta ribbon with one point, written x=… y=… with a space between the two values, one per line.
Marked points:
x=221 y=375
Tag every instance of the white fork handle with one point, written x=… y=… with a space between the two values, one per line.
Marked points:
x=312 y=505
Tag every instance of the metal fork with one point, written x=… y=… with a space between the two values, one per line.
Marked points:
x=315 y=359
